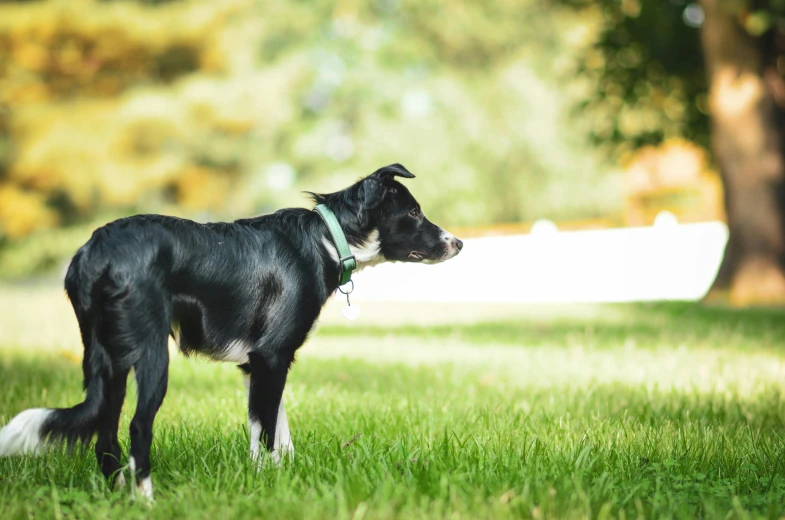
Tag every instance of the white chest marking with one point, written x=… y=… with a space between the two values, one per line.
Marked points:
x=367 y=254
x=235 y=352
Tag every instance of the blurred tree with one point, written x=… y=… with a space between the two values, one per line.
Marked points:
x=722 y=84
x=743 y=46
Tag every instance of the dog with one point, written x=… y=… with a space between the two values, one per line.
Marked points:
x=247 y=292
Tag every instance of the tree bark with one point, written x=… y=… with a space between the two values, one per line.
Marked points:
x=748 y=141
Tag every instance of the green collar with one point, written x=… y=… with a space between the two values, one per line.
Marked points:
x=346 y=258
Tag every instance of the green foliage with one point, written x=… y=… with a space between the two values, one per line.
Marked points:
x=649 y=421
x=647 y=67
x=227 y=109
x=649 y=75
x=46 y=251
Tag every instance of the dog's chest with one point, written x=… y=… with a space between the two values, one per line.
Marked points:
x=233 y=351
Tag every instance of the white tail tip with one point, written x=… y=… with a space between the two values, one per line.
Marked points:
x=22 y=435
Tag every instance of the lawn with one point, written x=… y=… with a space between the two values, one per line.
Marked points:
x=666 y=410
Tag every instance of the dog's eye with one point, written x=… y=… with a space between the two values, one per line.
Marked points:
x=415 y=213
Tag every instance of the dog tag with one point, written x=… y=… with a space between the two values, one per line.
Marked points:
x=351 y=312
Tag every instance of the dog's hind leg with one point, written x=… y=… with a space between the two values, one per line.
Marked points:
x=107 y=449
x=136 y=329
x=151 y=381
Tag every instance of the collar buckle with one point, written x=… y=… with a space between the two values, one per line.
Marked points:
x=349 y=267
x=348 y=264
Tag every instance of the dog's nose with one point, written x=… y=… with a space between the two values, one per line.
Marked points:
x=458 y=244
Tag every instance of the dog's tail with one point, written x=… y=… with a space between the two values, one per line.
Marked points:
x=30 y=431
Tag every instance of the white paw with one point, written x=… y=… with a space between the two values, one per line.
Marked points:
x=142 y=490
x=283 y=452
x=275 y=456
x=145 y=488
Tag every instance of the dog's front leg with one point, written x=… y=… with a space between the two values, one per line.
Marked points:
x=283 y=447
x=267 y=421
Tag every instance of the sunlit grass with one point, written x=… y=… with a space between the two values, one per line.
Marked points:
x=659 y=411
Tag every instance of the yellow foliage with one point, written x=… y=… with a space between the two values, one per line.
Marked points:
x=22 y=211
x=199 y=188
x=234 y=106
x=59 y=48
x=113 y=152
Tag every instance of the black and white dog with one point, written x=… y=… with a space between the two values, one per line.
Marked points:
x=247 y=292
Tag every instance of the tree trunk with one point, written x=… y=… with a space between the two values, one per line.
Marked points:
x=746 y=101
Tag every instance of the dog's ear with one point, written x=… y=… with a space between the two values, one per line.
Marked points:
x=372 y=192
x=391 y=171
x=374 y=187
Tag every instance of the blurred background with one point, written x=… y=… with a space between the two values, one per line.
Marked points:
x=616 y=169
x=553 y=135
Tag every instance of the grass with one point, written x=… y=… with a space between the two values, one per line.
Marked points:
x=644 y=411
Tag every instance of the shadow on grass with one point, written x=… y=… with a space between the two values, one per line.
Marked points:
x=358 y=386
x=672 y=324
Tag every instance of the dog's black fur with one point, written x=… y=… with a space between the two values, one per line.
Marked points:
x=258 y=282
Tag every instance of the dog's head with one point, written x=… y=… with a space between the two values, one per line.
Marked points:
x=379 y=206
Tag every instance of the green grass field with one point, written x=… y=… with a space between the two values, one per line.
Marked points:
x=641 y=411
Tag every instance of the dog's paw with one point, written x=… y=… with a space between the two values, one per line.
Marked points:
x=143 y=492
